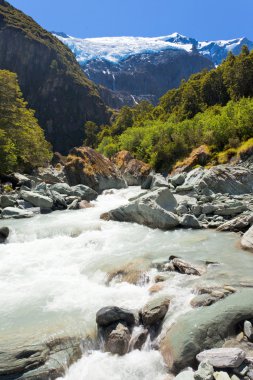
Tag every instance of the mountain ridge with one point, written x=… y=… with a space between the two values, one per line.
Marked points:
x=116 y=49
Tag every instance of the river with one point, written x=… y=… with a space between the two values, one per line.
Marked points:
x=54 y=271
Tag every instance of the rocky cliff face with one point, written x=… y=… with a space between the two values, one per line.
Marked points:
x=145 y=76
x=50 y=78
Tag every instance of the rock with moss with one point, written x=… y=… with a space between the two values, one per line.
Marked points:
x=88 y=167
x=134 y=171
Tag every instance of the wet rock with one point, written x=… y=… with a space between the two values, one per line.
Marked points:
x=183 y=267
x=118 y=340
x=4 y=233
x=205 y=328
x=133 y=273
x=239 y=224
x=111 y=314
x=148 y=181
x=37 y=199
x=190 y=221
x=203 y=300
x=16 y=213
x=88 y=167
x=74 y=205
x=223 y=357
x=156 y=287
x=45 y=361
x=154 y=311
x=247 y=328
x=153 y=210
x=205 y=371
x=139 y=340
x=247 y=240
x=59 y=202
x=134 y=171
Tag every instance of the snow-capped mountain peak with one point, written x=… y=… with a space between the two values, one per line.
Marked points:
x=116 y=49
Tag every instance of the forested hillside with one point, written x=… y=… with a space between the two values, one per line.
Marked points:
x=213 y=108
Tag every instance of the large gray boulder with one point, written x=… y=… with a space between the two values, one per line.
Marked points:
x=233 y=180
x=190 y=221
x=205 y=328
x=247 y=240
x=223 y=357
x=16 y=213
x=36 y=199
x=154 y=209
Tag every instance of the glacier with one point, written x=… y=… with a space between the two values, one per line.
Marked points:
x=116 y=49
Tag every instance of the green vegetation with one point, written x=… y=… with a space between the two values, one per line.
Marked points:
x=22 y=141
x=213 y=108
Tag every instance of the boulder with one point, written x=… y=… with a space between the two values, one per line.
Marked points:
x=247 y=240
x=247 y=328
x=158 y=181
x=50 y=175
x=205 y=371
x=37 y=199
x=182 y=266
x=40 y=361
x=154 y=210
x=139 y=339
x=7 y=201
x=134 y=171
x=205 y=328
x=118 y=340
x=239 y=224
x=4 y=233
x=59 y=202
x=234 y=180
x=111 y=314
x=88 y=167
x=154 y=311
x=223 y=357
x=16 y=213
x=190 y=221
x=177 y=179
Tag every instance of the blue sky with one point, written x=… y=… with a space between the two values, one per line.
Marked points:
x=202 y=19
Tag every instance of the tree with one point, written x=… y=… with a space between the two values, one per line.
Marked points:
x=91 y=131
x=22 y=141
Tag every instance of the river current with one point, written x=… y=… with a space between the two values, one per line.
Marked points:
x=54 y=271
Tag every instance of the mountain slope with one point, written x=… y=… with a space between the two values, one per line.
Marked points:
x=131 y=69
x=50 y=78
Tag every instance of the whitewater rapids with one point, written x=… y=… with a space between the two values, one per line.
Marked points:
x=53 y=279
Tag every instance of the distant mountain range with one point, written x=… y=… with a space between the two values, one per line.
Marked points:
x=130 y=69
x=116 y=49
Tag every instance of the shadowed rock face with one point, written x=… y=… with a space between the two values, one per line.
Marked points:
x=144 y=76
x=50 y=78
